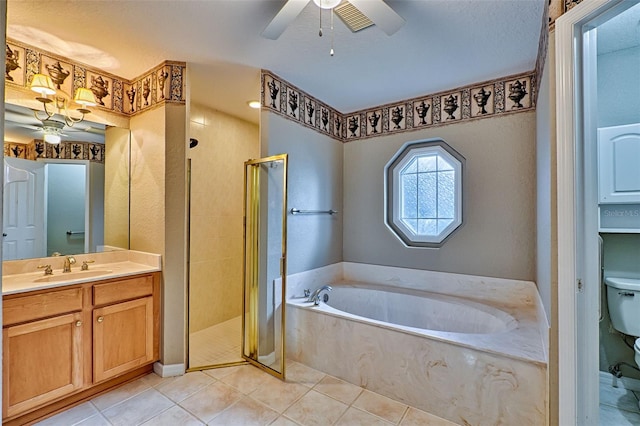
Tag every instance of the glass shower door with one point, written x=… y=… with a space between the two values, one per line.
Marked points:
x=265 y=248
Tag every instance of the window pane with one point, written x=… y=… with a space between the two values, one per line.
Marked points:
x=427 y=227
x=443 y=223
x=409 y=196
x=446 y=194
x=443 y=164
x=427 y=195
x=427 y=163
x=412 y=224
x=412 y=167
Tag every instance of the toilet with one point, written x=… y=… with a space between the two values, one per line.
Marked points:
x=623 y=300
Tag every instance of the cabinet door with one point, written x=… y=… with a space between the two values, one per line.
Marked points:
x=122 y=337
x=618 y=164
x=42 y=361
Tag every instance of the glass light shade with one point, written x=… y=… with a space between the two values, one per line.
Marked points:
x=85 y=97
x=52 y=138
x=327 y=4
x=254 y=104
x=42 y=84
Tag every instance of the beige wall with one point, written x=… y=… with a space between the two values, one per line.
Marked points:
x=116 y=187
x=497 y=237
x=158 y=212
x=217 y=188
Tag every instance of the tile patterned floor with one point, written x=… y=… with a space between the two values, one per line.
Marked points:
x=618 y=406
x=243 y=395
x=218 y=344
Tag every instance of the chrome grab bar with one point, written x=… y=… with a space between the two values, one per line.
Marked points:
x=298 y=211
x=74 y=232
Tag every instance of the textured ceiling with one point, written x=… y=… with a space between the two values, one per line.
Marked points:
x=444 y=44
x=620 y=32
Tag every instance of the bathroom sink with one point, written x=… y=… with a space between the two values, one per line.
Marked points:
x=75 y=275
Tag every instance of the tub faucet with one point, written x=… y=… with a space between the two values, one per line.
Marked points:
x=315 y=296
x=68 y=261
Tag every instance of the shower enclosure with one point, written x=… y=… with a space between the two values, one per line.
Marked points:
x=265 y=249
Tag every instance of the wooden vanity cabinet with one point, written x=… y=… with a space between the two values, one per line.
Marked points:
x=61 y=346
x=123 y=330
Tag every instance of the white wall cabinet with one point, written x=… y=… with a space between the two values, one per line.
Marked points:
x=619 y=164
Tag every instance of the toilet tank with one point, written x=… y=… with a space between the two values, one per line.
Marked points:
x=623 y=300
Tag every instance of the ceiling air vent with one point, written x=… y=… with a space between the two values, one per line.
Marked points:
x=352 y=17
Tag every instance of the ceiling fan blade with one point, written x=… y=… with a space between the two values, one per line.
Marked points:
x=285 y=16
x=380 y=14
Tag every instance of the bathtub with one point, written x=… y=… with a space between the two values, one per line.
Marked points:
x=473 y=359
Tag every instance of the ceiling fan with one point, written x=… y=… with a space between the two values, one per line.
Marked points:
x=20 y=123
x=377 y=11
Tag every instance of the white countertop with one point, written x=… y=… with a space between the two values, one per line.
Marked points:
x=19 y=275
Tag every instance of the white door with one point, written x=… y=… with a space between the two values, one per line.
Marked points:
x=578 y=259
x=23 y=212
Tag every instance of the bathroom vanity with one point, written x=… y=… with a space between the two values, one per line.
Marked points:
x=67 y=337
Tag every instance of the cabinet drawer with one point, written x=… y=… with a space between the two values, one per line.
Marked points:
x=126 y=289
x=43 y=305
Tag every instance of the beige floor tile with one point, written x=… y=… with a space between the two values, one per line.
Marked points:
x=218 y=373
x=283 y=421
x=71 y=416
x=299 y=373
x=97 y=420
x=120 y=394
x=316 y=409
x=381 y=406
x=210 y=401
x=246 y=378
x=355 y=417
x=174 y=416
x=154 y=380
x=186 y=385
x=338 y=389
x=277 y=394
x=138 y=409
x=415 y=417
x=247 y=411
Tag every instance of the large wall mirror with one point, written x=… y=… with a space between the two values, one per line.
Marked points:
x=65 y=198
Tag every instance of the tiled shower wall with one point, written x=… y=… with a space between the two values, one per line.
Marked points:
x=217 y=180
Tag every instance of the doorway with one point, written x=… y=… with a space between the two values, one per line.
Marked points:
x=265 y=263
x=585 y=55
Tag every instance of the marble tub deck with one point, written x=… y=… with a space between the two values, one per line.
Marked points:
x=495 y=378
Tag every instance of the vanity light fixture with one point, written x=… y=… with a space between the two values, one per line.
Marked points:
x=254 y=104
x=43 y=84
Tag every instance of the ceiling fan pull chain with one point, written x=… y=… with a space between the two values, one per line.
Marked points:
x=320 y=32
x=331 y=51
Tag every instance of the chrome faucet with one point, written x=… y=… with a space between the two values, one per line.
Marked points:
x=315 y=296
x=68 y=261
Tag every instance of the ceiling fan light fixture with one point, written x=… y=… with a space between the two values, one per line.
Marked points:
x=52 y=138
x=327 y=4
x=254 y=104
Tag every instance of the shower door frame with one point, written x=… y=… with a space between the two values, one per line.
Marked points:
x=253 y=273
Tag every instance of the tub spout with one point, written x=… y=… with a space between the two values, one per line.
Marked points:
x=315 y=296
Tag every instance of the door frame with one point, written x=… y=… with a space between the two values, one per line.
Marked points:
x=570 y=190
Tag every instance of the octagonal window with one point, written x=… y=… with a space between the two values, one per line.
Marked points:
x=423 y=184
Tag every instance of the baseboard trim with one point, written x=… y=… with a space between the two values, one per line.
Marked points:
x=168 y=370
x=624 y=382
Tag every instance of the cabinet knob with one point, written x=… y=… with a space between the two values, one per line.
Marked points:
x=100 y=319
x=78 y=323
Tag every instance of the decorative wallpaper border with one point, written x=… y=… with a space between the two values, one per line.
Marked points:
x=65 y=150
x=512 y=94
x=559 y=7
x=164 y=83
